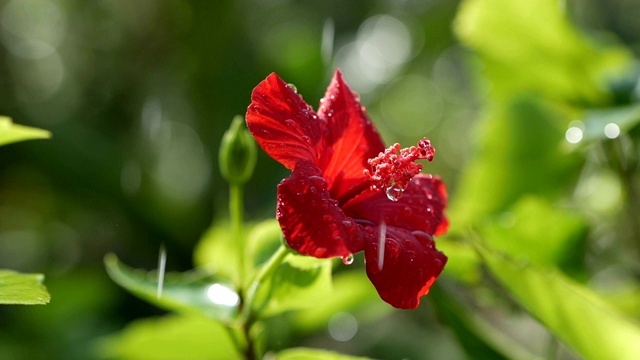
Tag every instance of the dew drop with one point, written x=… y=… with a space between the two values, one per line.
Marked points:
x=394 y=193
x=347 y=260
x=407 y=211
x=290 y=123
x=293 y=87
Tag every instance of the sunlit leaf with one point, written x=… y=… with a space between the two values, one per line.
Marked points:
x=536 y=231
x=572 y=312
x=170 y=337
x=191 y=292
x=532 y=46
x=298 y=283
x=352 y=292
x=595 y=121
x=22 y=289
x=10 y=132
x=521 y=152
x=216 y=251
x=313 y=354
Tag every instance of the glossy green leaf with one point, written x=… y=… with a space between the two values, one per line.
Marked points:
x=536 y=231
x=191 y=292
x=574 y=313
x=22 y=289
x=297 y=283
x=314 y=354
x=170 y=337
x=532 y=46
x=10 y=132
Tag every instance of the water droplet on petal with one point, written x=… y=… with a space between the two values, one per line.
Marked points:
x=407 y=211
x=290 y=122
x=347 y=260
x=293 y=87
x=394 y=193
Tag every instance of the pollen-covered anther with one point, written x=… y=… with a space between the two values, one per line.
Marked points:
x=395 y=167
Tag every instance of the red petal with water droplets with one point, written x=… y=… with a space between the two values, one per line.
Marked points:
x=312 y=222
x=282 y=123
x=410 y=266
x=350 y=139
x=421 y=206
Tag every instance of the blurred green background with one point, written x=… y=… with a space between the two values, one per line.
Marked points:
x=137 y=95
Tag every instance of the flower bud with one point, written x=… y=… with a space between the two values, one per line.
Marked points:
x=238 y=153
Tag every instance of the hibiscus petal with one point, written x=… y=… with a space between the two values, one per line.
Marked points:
x=311 y=221
x=408 y=268
x=421 y=206
x=350 y=139
x=282 y=123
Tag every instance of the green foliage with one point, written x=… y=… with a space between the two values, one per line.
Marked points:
x=534 y=230
x=189 y=293
x=312 y=354
x=532 y=46
x=298 y=283
x=10 y=132
x=521 y=153
x=572 y=312
x=216 y=250
x=23 y=289
x=170 y=337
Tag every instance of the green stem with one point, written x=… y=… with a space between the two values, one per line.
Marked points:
x=248 y=318
x=236 y=213
x=266 y=271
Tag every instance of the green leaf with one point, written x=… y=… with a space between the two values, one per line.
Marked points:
x=189 y=293
x=534 y=230
x=22 y=289
x=216 y=253
x=522 y=151
x=532 y=46
x=314 y=354
x=297 y=283
x=574 y=313
x=352 y=292
x=595 y=121
x=170 y=337
x=10 y=132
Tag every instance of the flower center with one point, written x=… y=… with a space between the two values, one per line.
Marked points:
x=392 y=170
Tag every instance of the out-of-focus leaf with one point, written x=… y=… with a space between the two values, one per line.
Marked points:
x=170 y=337
x=536 y=231
x=521 y=152
x=313 y=354
x=216 y=251
x=298 y=283
x=183 y=292
x=10 y=132
x=463 y=262
x=263 y=240
x=574 y=313
x=532 y=46
x=595 y=121
x=479 y=338
x=22 y=289
x=352 y=292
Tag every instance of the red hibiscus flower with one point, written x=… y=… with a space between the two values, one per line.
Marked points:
x=347 y=193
